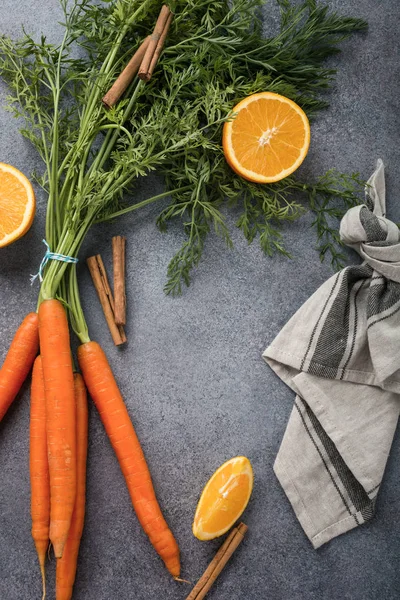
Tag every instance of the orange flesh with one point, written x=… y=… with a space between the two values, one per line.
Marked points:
x=17 y=204
x=223 y=500
x=267 y=139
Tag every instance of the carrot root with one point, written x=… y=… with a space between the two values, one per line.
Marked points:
x=66 y=566
x=106 y=396
x=19 y=360
x=60 y=418
x=39 y=470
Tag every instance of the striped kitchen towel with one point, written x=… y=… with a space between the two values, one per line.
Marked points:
x=340 y=353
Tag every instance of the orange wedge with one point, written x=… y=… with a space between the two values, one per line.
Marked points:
x=17 y=204
x=268 y=138
x=224 y=498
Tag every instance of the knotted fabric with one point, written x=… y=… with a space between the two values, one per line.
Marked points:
x=340 y=353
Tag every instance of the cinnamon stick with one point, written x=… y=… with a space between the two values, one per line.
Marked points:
x=219 y=561
x=124 y=79
x=154 y=39
x=160 y=46
x=100 y=281
x=118 y=246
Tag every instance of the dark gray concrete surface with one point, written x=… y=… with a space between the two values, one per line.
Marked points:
x=192 y=374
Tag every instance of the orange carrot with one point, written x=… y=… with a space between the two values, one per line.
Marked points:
x=18 y=361
x=60 y=418
x=39 y=468
x=66 y=566
x=104 y=391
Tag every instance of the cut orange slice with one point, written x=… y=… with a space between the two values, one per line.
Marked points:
x=268 y=138
x=224 y=498
x=17 y=204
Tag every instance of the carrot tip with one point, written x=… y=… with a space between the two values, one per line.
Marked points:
x=42 y=569
x=182 y=580
x=58 y=548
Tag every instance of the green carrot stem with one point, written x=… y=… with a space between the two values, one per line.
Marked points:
x=143 y=203
x=77 y=317
x=112 y=137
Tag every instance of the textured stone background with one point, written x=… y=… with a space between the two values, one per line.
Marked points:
x=192 y=374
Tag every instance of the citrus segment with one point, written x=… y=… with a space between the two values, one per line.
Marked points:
x=224 y=498
x=17 y=204
x=267 y=139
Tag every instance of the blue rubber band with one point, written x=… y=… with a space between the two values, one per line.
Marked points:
x=51 y=256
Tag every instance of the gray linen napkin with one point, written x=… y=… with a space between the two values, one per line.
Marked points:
x=340 y=353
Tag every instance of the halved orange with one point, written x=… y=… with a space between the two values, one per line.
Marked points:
x=268 y=138
x=17 y=204
x=224 y=498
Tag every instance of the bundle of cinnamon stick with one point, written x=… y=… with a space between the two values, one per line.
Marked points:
x=114 y=305
x=144 y=61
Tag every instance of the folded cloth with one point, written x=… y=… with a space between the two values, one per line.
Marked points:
x=340 y=353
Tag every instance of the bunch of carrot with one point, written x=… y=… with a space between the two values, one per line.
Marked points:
x=59 y=440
